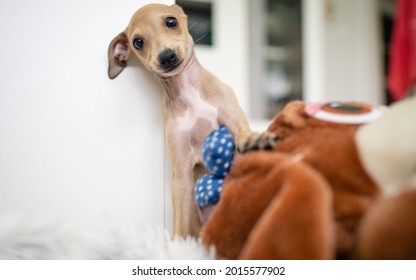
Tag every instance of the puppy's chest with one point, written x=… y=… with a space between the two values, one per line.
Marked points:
x=199 y=117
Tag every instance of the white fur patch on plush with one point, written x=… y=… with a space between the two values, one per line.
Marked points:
x=34 y=239
x=388 y=147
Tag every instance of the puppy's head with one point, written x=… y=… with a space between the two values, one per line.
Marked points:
x=158 y=35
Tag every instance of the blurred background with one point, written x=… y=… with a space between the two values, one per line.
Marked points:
x=275 y=51
x=79 y=147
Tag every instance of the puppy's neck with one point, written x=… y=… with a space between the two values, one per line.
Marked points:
x=177 y=87
x=186 y=102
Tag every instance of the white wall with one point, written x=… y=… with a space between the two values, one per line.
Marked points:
x=74 y=145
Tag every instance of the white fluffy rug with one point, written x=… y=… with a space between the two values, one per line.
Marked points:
x=22 y=238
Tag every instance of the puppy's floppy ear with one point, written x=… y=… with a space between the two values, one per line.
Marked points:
x=118 y=54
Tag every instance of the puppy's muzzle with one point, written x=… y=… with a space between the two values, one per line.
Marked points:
x=168 y=60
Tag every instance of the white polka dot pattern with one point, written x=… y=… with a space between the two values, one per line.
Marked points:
x=217 y=154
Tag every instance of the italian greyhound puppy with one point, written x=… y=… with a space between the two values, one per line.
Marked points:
x=195 y=101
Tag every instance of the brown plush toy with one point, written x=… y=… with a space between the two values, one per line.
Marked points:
x=303 y=200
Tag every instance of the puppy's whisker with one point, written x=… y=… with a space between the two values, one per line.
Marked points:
x=200 y=38
x=192 y=26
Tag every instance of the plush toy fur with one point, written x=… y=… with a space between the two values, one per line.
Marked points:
x=303 y=200
x=388 y=230
x=388 y=151
x=326 y=191
x=388 y=147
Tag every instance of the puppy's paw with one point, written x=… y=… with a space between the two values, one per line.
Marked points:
x=258 y=141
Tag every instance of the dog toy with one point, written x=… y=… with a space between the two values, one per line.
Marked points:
x=306 y=198
x=217 y=154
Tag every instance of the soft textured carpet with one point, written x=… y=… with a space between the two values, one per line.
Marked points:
x=31 y=239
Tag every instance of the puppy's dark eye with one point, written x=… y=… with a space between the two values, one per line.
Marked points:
x=171 y=22
x=138 y=43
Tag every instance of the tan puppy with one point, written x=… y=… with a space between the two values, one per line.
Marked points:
x=195 y=101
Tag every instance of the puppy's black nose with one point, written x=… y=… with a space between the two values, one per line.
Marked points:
x=167 y=59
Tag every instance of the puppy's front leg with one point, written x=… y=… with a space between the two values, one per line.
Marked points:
x=246 y=140
x=186 y=220
x=258 y=141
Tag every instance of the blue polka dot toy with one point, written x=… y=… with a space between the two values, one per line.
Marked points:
x=217 y=154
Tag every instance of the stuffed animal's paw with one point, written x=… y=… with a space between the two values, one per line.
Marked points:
x=258 y=141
